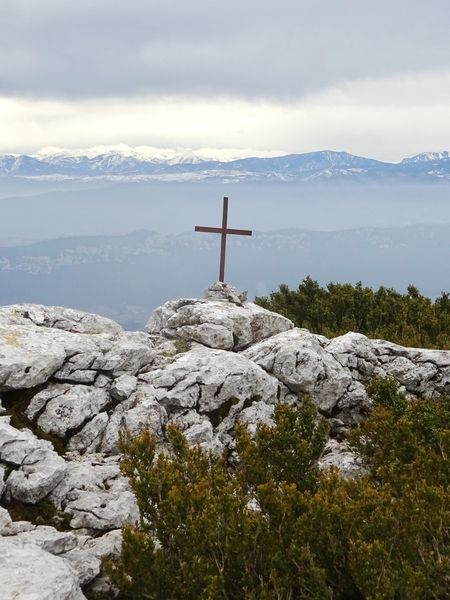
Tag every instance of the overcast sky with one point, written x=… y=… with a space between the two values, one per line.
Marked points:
x=271 y=75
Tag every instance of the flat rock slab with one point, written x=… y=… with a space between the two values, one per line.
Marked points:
x=37 y=343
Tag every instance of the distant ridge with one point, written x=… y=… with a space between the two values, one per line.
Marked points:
x=147 y=163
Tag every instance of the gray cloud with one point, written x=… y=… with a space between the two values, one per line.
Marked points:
x=256 y=49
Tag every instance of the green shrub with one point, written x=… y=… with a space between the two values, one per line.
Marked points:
x=409 y=319
x=276 y=527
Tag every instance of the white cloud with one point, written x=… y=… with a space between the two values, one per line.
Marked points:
x=386 y=118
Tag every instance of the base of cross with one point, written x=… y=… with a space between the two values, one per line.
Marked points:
x=225 y=292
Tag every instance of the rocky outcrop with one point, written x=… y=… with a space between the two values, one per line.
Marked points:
x=220 y=320
x=70 y=382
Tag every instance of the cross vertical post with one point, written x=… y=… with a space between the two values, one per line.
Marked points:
x=223 y=244
x=224 y=231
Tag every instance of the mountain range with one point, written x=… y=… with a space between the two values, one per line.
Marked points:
x=146 y=163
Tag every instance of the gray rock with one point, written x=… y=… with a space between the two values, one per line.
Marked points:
x=216 y=323
x=415 y=377
x=260 y=412
x=86 y=558
x=15 y=527
x=67 y=406
x=5 y=519
x=209 y=380
x=90 y=437
x=86 y=565
x=297 y=359
x=2 y=481
x=95 y=494
x=38 y=469
x=49 y=539
x=102 y=510
x=27 y=358
x=30 y=573
x=198 y=430
x=225 y=292
x=140 y=411
x=130 y=353
x=37 y=342
x=123 y=387
x=66 y=319
x=340 y=456
x=420 y=371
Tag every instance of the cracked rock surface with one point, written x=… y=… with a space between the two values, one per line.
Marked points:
x=71 y=382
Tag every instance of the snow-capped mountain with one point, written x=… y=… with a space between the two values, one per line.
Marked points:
x=427 y=157
x=150 y=163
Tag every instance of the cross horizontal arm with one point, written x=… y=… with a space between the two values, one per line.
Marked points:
x=239 y=231
x=209 y=229
x=220 y=230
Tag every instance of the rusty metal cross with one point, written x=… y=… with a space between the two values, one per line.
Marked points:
x=224 y=231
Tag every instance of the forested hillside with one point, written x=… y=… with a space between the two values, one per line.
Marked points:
x=409 y=319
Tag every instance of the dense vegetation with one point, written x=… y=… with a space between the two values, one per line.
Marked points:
x=277 y=527
x=409 y=319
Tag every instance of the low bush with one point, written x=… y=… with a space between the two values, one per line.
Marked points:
x=277 y=527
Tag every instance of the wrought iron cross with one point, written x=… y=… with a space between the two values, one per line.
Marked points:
x=224 y=231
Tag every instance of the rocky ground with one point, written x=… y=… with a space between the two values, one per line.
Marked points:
x=71 y=381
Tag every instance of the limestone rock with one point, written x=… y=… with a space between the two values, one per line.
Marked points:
x=341 y=456
x=86 y=565
x=49 y=539
x=421 y=371
x=90 y=437
x=226 y=292
x=108 y=545
x=13 y=528
x=5 y=519
x=37 y=467
x=2 y=481
x=95 y=494
x=64 y=407
x=123 y=387
x=27 y=358
x=36 y=341
x=30 y=573
x=208 y=380
x=130 y=353
x=219 y=323
x=198 y=429
x=66 y=319
x=298 y=360
x=140 y=411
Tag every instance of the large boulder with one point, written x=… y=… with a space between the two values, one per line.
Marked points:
x=27 y=572
x=298 y=360
x=207 y=379
x=220 y=320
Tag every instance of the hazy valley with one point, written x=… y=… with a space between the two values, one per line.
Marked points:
x=122 y=247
